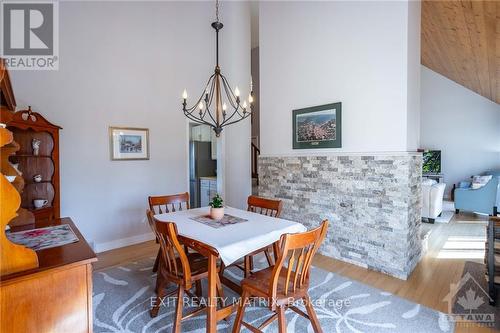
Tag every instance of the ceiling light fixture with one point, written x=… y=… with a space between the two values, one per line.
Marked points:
x=212 y=106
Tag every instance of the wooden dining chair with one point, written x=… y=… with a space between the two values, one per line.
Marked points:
x=169 y=203
x=179 y=267
x=268 y=207
x=165 y=204
x=286 y=282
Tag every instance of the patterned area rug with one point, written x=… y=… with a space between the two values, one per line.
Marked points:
x=122 y=299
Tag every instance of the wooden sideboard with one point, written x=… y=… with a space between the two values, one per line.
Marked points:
x=47 y=291
x=54 y=297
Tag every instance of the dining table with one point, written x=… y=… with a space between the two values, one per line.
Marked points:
x=245 y=233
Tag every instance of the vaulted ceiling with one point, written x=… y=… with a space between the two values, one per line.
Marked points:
x=461 y=40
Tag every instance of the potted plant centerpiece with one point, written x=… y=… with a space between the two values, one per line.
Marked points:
x=216 y=208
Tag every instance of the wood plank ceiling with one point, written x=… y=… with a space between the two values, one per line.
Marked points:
x=461 y=40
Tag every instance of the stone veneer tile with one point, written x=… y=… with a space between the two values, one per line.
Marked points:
x=373 y=203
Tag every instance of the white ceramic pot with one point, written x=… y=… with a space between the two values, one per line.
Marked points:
x=217 y=213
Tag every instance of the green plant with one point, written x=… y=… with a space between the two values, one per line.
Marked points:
x=216 y=202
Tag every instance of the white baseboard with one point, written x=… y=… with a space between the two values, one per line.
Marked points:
x=117 y=243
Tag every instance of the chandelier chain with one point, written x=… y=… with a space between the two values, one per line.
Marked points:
x=217 y=10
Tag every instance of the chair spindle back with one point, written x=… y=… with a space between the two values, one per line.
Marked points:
x=297 y=252
x=170 y=203
x=264 y=206
x=173 y=256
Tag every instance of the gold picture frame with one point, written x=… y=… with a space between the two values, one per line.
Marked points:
x=128 y=143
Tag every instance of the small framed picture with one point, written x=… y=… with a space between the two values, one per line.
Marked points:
x=318 y=127
x=128 y=143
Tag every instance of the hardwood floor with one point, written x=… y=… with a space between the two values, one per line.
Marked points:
x=449 y=247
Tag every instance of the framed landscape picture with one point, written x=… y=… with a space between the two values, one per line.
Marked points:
x=318 y=127
x=128 y=143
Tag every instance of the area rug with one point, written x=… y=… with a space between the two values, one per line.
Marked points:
x=122 y=299
x=470 y=297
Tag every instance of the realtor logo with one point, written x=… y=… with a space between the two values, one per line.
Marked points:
x=29 y=37
x=468 y=303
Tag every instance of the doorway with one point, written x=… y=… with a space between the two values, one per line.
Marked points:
x=202 y=165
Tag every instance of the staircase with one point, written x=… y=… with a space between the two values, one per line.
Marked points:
x=255 y=159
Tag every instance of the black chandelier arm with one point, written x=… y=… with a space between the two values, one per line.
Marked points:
x=207 y=110
x=212 y=90
x=196 y=120
x=231 y=116
x=235 y=98
x=242 y=116
x=229 y=93
x=202 y=95
x=235 y=121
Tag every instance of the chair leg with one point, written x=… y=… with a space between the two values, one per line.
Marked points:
x=220 y=291
x=251 y=264
x=157 y=261
x=241 y=312
x=490 y=252
x=281 y=319
x=247 y=266
x=161 y=283
x=198 y=290
x=221 y=269
x=178 y=310
x=268 y=257
x=457 y=211
x=495 y=211
x=312 y=315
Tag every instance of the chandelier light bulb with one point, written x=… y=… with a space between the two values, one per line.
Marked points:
x=250 y=99
x=200 y=106
x=224 y=107
x=244 y=104
x=184 y=94
x=237 y=92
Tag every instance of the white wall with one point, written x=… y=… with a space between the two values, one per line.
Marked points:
x=413 y=76
x=126 y=64
x=462 y=124
x=238 y=136
x=314 y=53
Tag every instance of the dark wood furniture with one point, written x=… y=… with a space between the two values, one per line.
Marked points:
x=168 y=201
x=54 y=297
x=157 y=202
x=264 y=206
x=180 y=267
x=13 y=257
x=286 y=282
x=26 y=126
x=492 y=256
x=48 y=290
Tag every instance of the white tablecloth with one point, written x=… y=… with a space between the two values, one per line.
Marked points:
x=232 y=241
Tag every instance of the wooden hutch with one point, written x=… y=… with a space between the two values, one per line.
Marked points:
x=48 y=290
x=39 y=168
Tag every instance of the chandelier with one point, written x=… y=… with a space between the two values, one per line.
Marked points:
x=218 y=106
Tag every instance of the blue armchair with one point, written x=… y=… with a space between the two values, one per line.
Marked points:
x=483 y=200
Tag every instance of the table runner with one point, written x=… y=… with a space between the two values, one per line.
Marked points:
x=44 y=238
x=233 y=241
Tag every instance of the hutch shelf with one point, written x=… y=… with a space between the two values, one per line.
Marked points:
x=39 y=168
